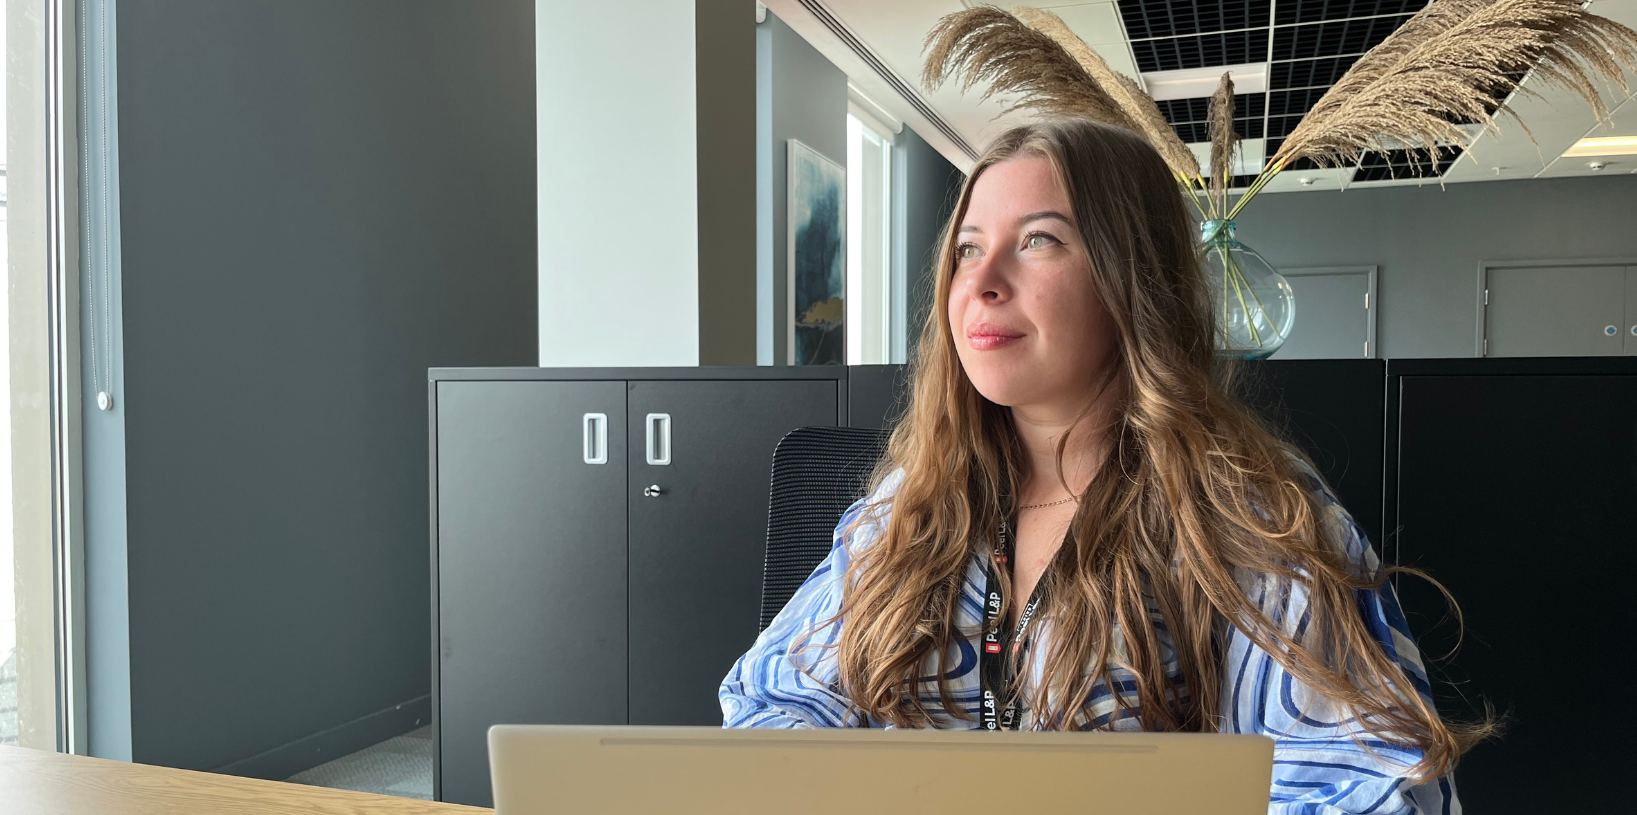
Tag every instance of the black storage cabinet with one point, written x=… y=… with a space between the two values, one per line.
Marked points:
x=563 y=594
x=597 y=543
x=1516 y=487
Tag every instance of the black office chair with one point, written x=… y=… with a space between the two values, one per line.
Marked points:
x=817 y=473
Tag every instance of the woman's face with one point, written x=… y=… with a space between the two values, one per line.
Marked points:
x=1028 y=327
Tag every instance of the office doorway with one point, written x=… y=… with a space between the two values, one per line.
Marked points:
x=1335 y=313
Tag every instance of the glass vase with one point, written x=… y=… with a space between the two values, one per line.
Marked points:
x=1254 y=304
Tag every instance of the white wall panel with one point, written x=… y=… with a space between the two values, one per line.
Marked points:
x=618 y=185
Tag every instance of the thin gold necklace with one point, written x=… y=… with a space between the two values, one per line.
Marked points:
x=1048 y=503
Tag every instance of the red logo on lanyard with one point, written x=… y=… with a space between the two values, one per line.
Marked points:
x=991 y=647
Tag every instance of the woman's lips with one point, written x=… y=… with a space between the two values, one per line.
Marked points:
x=990 y=342
x=991 y=337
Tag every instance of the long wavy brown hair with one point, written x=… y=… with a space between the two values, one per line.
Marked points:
x=1195 y=492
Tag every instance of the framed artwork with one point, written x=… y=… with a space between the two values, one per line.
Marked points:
x=816 y=252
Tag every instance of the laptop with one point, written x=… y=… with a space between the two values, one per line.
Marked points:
x=574 y=769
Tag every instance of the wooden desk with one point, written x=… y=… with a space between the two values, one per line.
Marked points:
x=33 y=782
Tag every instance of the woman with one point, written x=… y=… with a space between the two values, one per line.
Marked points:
x=1174 y=566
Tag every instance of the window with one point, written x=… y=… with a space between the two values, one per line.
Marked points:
x=8 y=573
x=869 y=241
x=39 y=234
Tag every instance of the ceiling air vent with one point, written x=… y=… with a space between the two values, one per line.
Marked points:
x=903 y=88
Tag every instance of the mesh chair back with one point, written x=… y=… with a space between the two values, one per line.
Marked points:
x=817 y=473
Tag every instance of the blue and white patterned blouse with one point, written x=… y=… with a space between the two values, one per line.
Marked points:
x=1319 y=766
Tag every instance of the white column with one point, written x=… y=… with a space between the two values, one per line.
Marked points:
x=618 y=183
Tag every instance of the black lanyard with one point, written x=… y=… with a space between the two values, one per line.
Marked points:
x=994 y=666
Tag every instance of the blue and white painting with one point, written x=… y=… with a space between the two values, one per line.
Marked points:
x=817 y=257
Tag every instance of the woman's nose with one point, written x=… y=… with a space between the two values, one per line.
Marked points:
x=988 y=280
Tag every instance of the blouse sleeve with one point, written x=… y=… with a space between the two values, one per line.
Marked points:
x=789 y=677
x=1320 y=764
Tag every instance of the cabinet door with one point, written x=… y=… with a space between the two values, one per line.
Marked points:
x=1629 y=329
x=1331 y=408
x=1555 y=311
x=531 y=566
x=698 y=547
x=1519 y=494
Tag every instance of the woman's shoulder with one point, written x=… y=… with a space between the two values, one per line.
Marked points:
x=1309 y=478
x=888 y=487
x=1342 y=531
x=866 y=519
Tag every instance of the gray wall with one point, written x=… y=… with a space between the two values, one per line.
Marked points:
x=801 y=95
x=1429 y=242
x=930 y=185
x=321 y=200
x=725 y=70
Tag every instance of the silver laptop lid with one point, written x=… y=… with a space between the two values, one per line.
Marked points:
x=569 y=770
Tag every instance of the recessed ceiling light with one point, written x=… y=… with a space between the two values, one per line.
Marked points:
x=1604 y=146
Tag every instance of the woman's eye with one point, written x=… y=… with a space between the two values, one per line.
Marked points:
x=1038 y=241
x=966 y=251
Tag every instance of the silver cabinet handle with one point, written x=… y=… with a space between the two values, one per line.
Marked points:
x=651 y=491
x=659 y=439
x=594 y=438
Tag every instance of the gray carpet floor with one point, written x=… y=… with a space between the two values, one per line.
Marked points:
x=400 y=766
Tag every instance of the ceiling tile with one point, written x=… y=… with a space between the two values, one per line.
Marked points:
x=1118 y=57
x=1333 y=38
x=1551 y=120
x=1334 y=178
x=1198 y=109
x=1581 y=165
x=1308 y=73
x=1096 y=23
x=1622 y=122
x=1471 y=168
x=1312 y=11
x=1171 y=18
x=1625 y=13
x=1178 y=53
x=1620 y=11
x=1293 y=103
